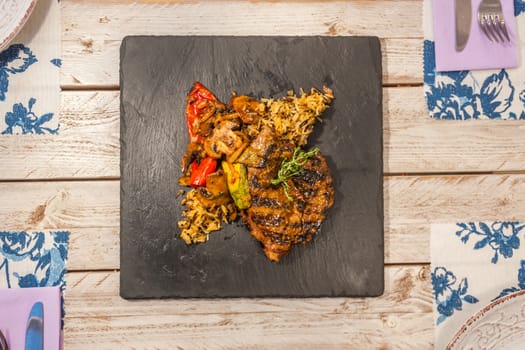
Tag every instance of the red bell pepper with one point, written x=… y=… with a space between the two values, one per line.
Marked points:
x=197 y=100
x=199 y=172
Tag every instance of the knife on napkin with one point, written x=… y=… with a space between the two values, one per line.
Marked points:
x=35 y=328
x=463 y=20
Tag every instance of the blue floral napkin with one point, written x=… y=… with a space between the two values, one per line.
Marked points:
x=33 y=259
x=473 y=264
x=483 y=94
x=29 y=75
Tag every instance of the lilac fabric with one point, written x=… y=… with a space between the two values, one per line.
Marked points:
x=479 y=53
x=15 y=305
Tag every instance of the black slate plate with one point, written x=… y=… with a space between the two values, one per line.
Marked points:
x=346 y=256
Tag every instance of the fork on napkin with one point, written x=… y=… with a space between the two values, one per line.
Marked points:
x=479 y=53
x=467 y=93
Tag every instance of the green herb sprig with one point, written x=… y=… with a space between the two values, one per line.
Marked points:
x=292 y=167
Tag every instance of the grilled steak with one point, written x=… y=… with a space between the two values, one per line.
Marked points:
x=275 y=220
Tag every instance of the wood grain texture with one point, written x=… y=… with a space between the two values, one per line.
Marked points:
x=95 y=293
x=91 y=64
x=59 y=205
x=112 y=20
x=287 y=331
x=89 y=245
x=88 y=143
x=90 y=210
x=94 y=310
x=91 y=41
x=413 y=142
x=88 y=148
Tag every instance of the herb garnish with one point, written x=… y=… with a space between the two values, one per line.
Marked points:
x=292 y=167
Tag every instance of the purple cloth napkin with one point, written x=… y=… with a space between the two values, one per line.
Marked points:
x=479 y=53
x=15 y=305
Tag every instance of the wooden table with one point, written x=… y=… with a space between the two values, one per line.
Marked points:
x=435 y=171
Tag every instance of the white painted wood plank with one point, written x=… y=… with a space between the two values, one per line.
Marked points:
x=289 y=331
x=88 y=144
x=96 y=293
x=112 y=20
x=91 y=42
x=59 y=205
x=90 y=63
x=415 y=143
x=412 y=204
x=95 y=314
x=94 y=248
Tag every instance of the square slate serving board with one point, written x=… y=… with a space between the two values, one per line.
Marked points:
x=344 y=259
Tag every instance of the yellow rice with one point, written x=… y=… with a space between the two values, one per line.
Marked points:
x=293 y=118
x=199 y=220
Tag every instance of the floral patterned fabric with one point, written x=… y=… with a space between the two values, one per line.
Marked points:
x=36 y=259
x=473 y=264
x=29 y=75
x=486 y=94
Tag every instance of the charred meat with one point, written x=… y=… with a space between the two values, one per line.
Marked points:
x=280 y=219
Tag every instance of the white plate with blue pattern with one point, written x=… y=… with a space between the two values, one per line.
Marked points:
x=13 y=16
x=500 y=325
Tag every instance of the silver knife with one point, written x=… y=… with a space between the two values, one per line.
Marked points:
x=463 y=21
x=35 y=328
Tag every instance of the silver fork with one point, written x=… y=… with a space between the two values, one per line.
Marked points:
x=491 y=21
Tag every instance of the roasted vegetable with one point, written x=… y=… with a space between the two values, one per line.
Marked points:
x=237 y=179
x=224 y=140
x=209 y=200
x=247 y=107
x=193 y=151
x=216 y=191
x=232 y=158
x=199 y=172
x=256 y=153
x=201 y=104
x=250 y=157
x=216 y=183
